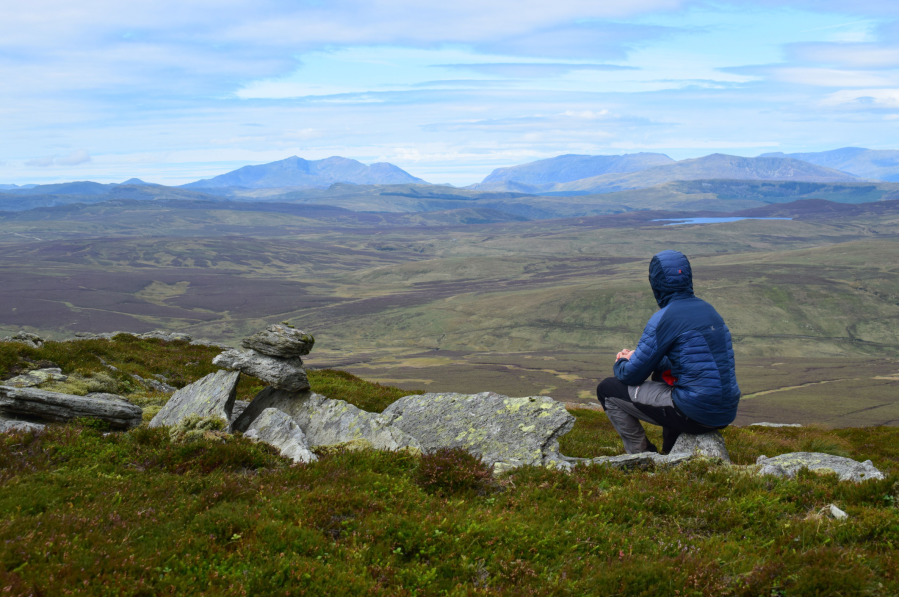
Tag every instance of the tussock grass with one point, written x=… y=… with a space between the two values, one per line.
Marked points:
x=82 y=513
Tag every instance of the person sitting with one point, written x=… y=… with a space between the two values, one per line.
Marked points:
x=686 y=349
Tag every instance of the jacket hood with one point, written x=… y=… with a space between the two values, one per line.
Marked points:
x=670 y=276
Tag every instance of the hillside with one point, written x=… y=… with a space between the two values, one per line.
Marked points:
x=83 y=511
x=567 y=168
x=297 y=172
x=874 y=164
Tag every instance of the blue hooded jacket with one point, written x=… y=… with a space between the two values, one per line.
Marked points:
x=688 y=337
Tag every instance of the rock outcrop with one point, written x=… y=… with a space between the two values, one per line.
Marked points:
x=9 y=426
x=787 y=465
x=284 y=374
x=212 y=396
x=52 y=406
x=505 y=432
x=327 y=422
x=287 y=402
x=26 y=338
x=36 y=377
x=277 y=429
x=336 y=422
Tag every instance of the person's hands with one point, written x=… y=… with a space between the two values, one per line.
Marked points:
x=624 y=354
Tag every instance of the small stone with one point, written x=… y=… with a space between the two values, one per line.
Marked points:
x=9 y=426
x=708 y=445
x=212 y=396
x=775 y=425
x=787 y=465
x=836 y=512
x=277 y=429
x=284 y=374
x=499 y=429
x=280 y=341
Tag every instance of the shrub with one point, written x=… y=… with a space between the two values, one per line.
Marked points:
x=452 y=470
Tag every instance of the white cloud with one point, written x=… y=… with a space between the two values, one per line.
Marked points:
x=881 y=98
x=76 y=158
x=847 y=55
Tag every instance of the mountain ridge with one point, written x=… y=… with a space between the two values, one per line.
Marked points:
x=298 y=172
x=878 y=164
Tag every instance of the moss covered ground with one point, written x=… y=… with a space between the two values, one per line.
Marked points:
x=83 y=513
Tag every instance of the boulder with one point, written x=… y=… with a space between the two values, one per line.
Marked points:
x=787 y=465
x=709 y=445
x=36 y=378
x=505 y=432
x=52 y=406
x=284 y=374
x=164 y=336
x=153 y=384
x=280 y=341
x=327 y=422
x=27 y=338
x=8 y=426
x=331 y=422
x=287 y=402
x=212 y=396
x=277 y=429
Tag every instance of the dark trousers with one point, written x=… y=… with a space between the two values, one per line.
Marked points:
x=651 y=402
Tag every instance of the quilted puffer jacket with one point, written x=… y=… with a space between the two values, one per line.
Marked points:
x=689 y=338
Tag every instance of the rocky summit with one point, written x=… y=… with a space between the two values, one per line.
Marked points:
x=504 y=432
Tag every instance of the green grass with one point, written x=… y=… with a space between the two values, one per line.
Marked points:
x=136 y=514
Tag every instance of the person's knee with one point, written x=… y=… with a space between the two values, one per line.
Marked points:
x=610 y=387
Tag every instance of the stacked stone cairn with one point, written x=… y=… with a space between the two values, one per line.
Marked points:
x=504 y=432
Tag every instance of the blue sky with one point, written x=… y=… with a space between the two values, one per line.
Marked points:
x=173 y=91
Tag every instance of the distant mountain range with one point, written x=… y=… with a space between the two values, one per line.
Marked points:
x=710 y=167
x=297 y=172
x=568 y=168
x=877 y=164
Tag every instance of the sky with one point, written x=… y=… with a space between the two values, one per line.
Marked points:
x=171 y=91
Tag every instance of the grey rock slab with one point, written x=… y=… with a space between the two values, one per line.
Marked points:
x=164 y=336
x=212 y=396
x=505 y=432
x=775 y=425
x=154 y=384
x=277 y=429
x=280 y=341
x=331 y=422
x=53 y=406
x=284 y=374
x=631 y=461
x=36 y=378
x=709 y=445
x=7 y=426
x=787 y=465
x=327 y=422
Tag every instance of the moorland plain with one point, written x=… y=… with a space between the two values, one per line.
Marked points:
x=432 y=301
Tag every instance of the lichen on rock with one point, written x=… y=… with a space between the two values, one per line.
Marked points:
x=505 y=432
x=787 y=465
